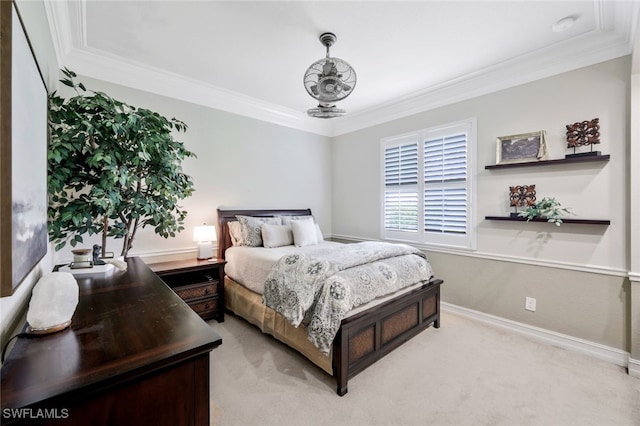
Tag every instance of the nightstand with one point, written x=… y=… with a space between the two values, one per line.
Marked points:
x=200 y=283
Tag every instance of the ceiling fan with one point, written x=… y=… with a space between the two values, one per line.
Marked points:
x=329 y=80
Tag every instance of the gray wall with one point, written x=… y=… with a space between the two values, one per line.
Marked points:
x=576 y=272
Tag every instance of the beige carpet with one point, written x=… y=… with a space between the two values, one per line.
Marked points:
x=465 y=373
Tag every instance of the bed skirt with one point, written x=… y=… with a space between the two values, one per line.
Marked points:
x=248 y=305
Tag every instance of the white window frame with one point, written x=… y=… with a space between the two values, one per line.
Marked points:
x=466 y=241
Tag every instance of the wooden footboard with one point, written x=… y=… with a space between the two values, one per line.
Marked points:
x=365 y=338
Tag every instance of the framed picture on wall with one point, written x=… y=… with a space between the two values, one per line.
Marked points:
x=522 y=148
x=23 y=156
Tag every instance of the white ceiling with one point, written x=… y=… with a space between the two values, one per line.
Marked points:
x=410 y=56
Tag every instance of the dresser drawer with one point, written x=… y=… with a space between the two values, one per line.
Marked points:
x=205 y=307
x=197 y=291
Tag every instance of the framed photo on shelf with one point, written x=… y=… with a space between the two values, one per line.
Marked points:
x=523 y=148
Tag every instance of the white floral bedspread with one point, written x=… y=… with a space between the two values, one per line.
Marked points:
x=318 y=290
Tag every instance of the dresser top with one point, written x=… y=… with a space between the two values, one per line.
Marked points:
x=185 y=265
x=126 y=323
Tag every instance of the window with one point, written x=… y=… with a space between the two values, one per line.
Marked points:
x=427 y=190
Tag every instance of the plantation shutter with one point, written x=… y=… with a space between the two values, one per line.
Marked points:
x=445 y=184
x=401 y=187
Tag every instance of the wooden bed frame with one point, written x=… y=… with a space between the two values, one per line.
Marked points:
x=371 y=334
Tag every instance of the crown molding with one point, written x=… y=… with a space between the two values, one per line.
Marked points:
x=96 y=64
x=67 y=21
x=613 y=36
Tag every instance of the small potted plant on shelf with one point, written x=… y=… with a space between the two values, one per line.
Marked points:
x=548 y=208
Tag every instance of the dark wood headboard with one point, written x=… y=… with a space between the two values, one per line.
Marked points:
x=226 y=216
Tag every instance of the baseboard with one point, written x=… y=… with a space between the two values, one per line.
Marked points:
x=634 y=367
x=585 y=347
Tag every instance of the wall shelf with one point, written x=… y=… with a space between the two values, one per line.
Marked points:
x=522 y=219
x=585 y=159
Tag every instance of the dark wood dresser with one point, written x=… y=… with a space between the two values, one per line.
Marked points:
x=135 y=354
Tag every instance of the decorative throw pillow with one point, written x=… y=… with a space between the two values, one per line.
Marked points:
x=235 y=231
x=276 y=235
x=304 y=232
x=252 y=228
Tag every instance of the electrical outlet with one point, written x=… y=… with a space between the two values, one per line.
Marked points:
x=530 y=304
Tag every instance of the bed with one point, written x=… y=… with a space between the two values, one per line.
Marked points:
x=365 y=335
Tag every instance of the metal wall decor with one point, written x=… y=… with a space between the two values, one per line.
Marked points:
x=521 y=196
x=583 y=133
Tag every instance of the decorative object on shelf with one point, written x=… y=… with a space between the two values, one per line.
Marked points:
x=548 y=208
x=82 y=259
x=97 y=259
x=329 y=80
x=523 y=148
x=112 y=169
x=204 y=235
x=521 y=196
x=583 y=133
x=53 y=301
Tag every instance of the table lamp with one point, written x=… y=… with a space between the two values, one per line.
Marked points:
x=204 y=235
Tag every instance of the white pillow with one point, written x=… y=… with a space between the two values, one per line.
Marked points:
x=319 y=236
x=276 y=235
x=304 y=232
x=235 y=231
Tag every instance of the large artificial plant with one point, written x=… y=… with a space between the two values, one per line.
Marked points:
x=112 y=169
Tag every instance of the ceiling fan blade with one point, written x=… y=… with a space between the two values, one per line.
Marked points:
x=329 y=68
x=345 y=86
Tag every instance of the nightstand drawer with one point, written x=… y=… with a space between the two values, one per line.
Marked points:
x=197 y=291
x=205 y=307
x=200 y=283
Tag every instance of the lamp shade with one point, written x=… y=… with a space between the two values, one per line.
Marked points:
x=204 y=233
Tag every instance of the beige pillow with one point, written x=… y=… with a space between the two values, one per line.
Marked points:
x=235 y=231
